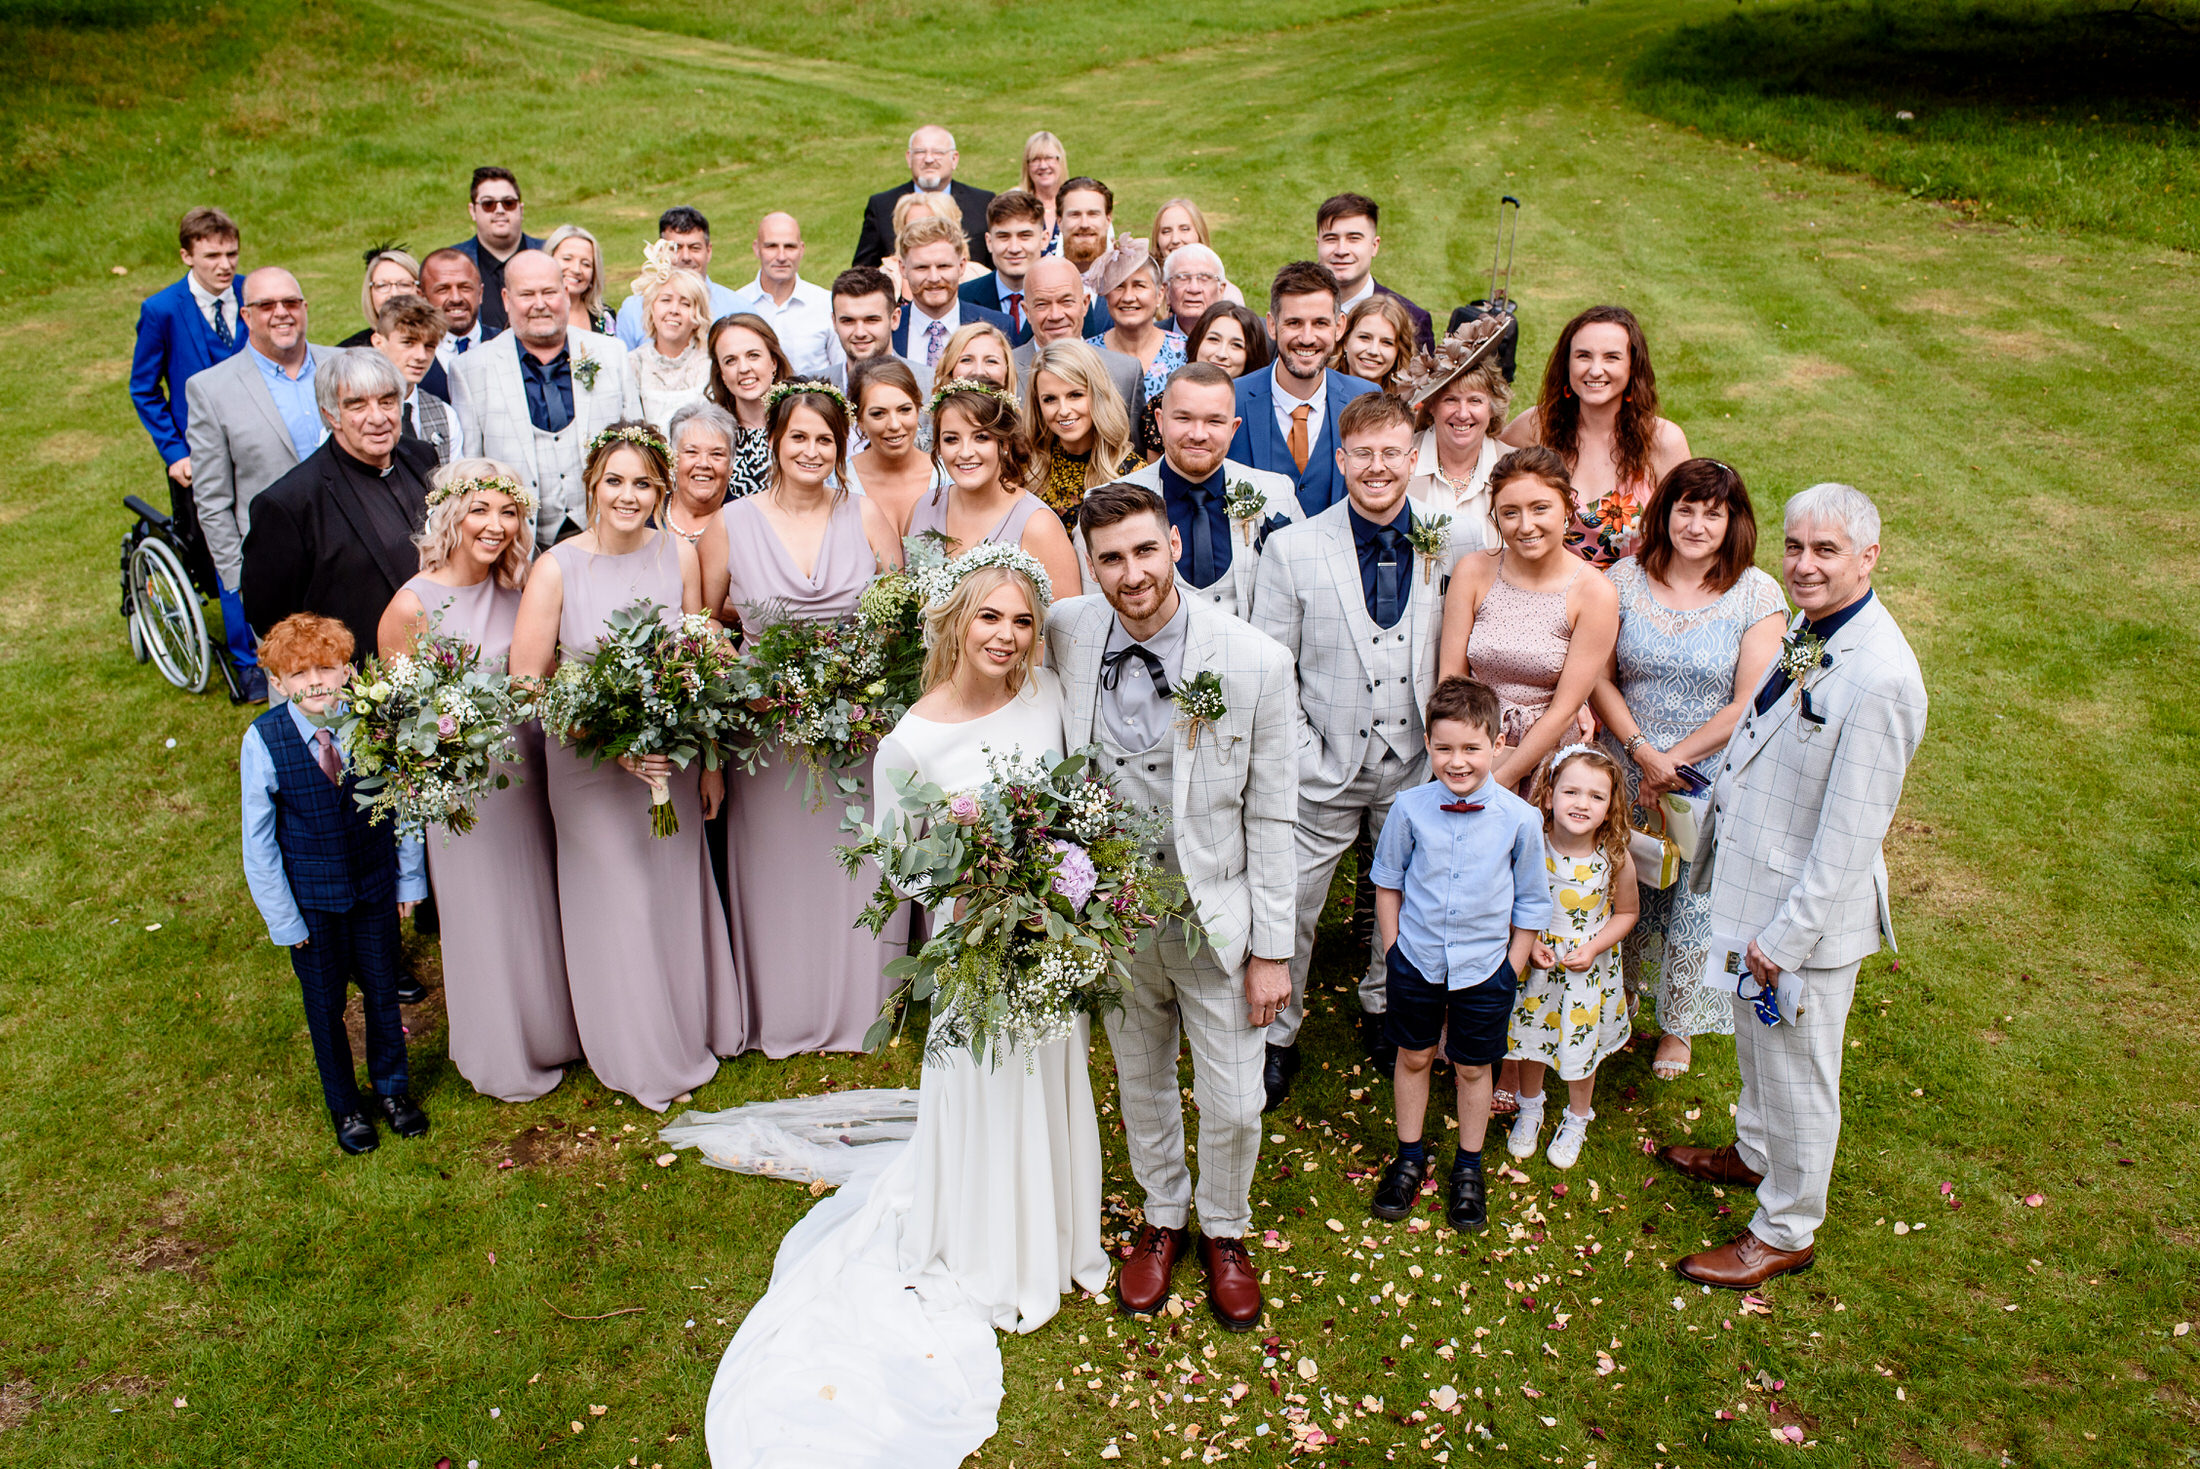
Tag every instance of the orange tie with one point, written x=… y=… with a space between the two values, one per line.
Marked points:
x=1297 y=440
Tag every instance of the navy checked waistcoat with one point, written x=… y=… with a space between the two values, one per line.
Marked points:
x=333 y=856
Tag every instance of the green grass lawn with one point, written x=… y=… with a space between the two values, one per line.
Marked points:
x=199 y=1278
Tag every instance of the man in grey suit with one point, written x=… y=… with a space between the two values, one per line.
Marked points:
x=251 y=419
x=1358 y=607
x=1790 y=854
x=536 y=395
x=1054 y=299
x=1229 y=782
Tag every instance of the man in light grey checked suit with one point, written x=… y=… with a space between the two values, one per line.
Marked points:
x=1790 y=854
x=1230 y=786
x=1359 y=609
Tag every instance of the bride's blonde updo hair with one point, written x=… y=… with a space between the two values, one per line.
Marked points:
x=947 y=623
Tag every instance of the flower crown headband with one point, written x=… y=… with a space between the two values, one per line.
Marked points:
x=808 y=385
x=937 y=584
x=941 y=393
x=521 y=495
x=642 y=434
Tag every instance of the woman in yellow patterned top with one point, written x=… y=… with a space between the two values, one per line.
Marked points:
x=1572 y=1010
x=1080 y=429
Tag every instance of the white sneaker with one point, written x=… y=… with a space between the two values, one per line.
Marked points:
x=1526 y=1124
x=1566 y=1142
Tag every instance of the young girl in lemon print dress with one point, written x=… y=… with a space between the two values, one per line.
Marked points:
x=1572 y=1010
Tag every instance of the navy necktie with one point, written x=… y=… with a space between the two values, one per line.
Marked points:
x=459 y=347
x=1203 y=546
x=222 y=333
x=1386 y=576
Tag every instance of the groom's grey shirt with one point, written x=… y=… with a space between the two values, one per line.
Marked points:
x=1137 y=714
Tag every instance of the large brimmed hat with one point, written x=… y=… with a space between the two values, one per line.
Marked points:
x=1125 y=258
x=1429 y=373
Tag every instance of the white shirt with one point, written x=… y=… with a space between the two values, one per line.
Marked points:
x=1367 y=289
x=1285 y=403
x=206 y=300
x=804 y=324
x=446 y=350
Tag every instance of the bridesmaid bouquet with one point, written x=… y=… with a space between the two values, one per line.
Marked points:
x=649 y=689
x=426 y=732
x=1052 y=883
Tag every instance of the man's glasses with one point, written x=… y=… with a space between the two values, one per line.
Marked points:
x=493 y=205
x=1392 y=458
x=278 y=303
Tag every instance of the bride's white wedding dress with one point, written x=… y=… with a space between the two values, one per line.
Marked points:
x=874 y=1344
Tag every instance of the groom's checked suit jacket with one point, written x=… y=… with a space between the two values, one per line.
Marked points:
x=1236 y=789
x=1790 y=851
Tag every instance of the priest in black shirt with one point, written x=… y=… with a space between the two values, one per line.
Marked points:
x=334 y=535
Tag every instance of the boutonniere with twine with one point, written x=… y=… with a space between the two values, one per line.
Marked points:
x=585 y=368
x=1802 y=653
x=1200 y=702
x=1429 y=539
x=1243 y=503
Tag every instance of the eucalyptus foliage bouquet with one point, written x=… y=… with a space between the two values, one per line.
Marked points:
x=1052 y=883
x=426 y=732
x=649 y=689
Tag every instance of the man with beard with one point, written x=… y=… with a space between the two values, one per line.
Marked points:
x=1086 y=208
x=932 y=257
x=1288 y=410
x=452 y=286
x=932 y=162
x=1015 y=228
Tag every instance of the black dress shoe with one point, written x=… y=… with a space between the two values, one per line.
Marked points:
x=1283 y=1064
x=355 y=1134
x=1469 y=1211
x=410 y=991
x=1380 y=1052
x=1401 y=1186
x=404 y=1114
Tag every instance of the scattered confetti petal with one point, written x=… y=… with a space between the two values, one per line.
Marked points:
x=181 y=1403
x=666 y=1160
x=2033 y=1201
x=1307 y=1369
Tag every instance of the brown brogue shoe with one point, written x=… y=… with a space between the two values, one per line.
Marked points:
x=1712 y=1165
x=1142 y=1285
x=1744 y=1263
x=1233 y=1285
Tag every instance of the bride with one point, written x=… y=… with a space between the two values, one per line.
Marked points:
x=874 y=1343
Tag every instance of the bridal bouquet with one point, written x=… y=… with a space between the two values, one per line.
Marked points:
x=648 y=689
x=426 y=732
x=1051 y=878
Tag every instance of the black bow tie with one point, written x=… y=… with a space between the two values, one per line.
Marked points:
x=1111 y=667
x=1458 y=806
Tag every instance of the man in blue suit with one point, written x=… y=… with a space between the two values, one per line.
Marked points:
x=1015 y=229
x=1287 y=411
x=932 y=252
x=182 y=330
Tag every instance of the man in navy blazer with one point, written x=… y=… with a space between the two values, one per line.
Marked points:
x=182 y=330
x=932 y=257
x=1287 y=411
x=1345 y=237
x=932 y=160
x=1015 y=228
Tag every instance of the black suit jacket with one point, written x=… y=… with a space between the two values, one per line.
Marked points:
x=877 y=240
x=986 y=291
x=314 y=546
x=1424 y=330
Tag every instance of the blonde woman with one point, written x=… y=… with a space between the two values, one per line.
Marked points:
x=391 y=273
x=1046 y=165
x=670 y=367
x=511 y=1015
x=1080 y=431
x=580 y=261
x=978 y=350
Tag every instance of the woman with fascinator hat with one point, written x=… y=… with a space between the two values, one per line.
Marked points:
x=892 y=1290
x=1459 y=396
x=1129 y=280
x=511 y=1014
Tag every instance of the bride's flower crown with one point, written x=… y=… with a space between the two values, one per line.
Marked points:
x=521 y=495
x=938 y=584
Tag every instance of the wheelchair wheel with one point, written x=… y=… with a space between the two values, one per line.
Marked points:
x=139 y=648
x=165 y=616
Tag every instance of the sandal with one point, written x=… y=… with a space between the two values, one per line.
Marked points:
x=1669 y=1068
x=1503 y=1103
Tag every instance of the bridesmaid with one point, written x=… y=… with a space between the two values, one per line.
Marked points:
x=812 y=978
x=652 y=979
x=892 y=470
x=980 y=445
x=511 y=1017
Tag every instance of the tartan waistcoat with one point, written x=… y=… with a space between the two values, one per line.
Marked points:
x=333 y=856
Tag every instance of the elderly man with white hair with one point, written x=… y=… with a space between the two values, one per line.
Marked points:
x=334 y=536
x=932 y=162
x=1192 y=279
x=1790 y=853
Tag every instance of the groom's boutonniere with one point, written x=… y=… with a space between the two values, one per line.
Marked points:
x=1429 y=539
x=1802 y=654
x=585 y=368
x=1243 y=503
x=1200 y=702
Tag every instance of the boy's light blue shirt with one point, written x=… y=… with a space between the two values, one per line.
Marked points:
x=1467 y=878
x=263 y=858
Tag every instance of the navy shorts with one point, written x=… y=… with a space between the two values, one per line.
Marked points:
x=1480 y=1018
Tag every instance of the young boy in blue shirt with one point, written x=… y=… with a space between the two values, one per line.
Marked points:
x=1460 y=895
x=330 y=884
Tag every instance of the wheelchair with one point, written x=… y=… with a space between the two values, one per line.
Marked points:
x=163 y=603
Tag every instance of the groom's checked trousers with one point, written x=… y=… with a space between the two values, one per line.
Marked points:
x=1788 y=1122
x=1174 y=996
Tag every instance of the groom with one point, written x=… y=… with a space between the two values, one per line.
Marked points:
x=1130 y=661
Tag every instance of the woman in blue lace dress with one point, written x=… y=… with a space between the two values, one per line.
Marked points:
x=1699 y=625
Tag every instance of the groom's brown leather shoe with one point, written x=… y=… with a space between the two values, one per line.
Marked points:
x=1712 y=1165
x=1743 y=1263
x=1143 y=1283
x=1233 y=1285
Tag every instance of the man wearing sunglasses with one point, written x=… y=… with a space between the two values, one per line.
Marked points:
x=499 y=234
x=1790 y=854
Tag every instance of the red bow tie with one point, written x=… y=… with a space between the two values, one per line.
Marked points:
x=1458 y=806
